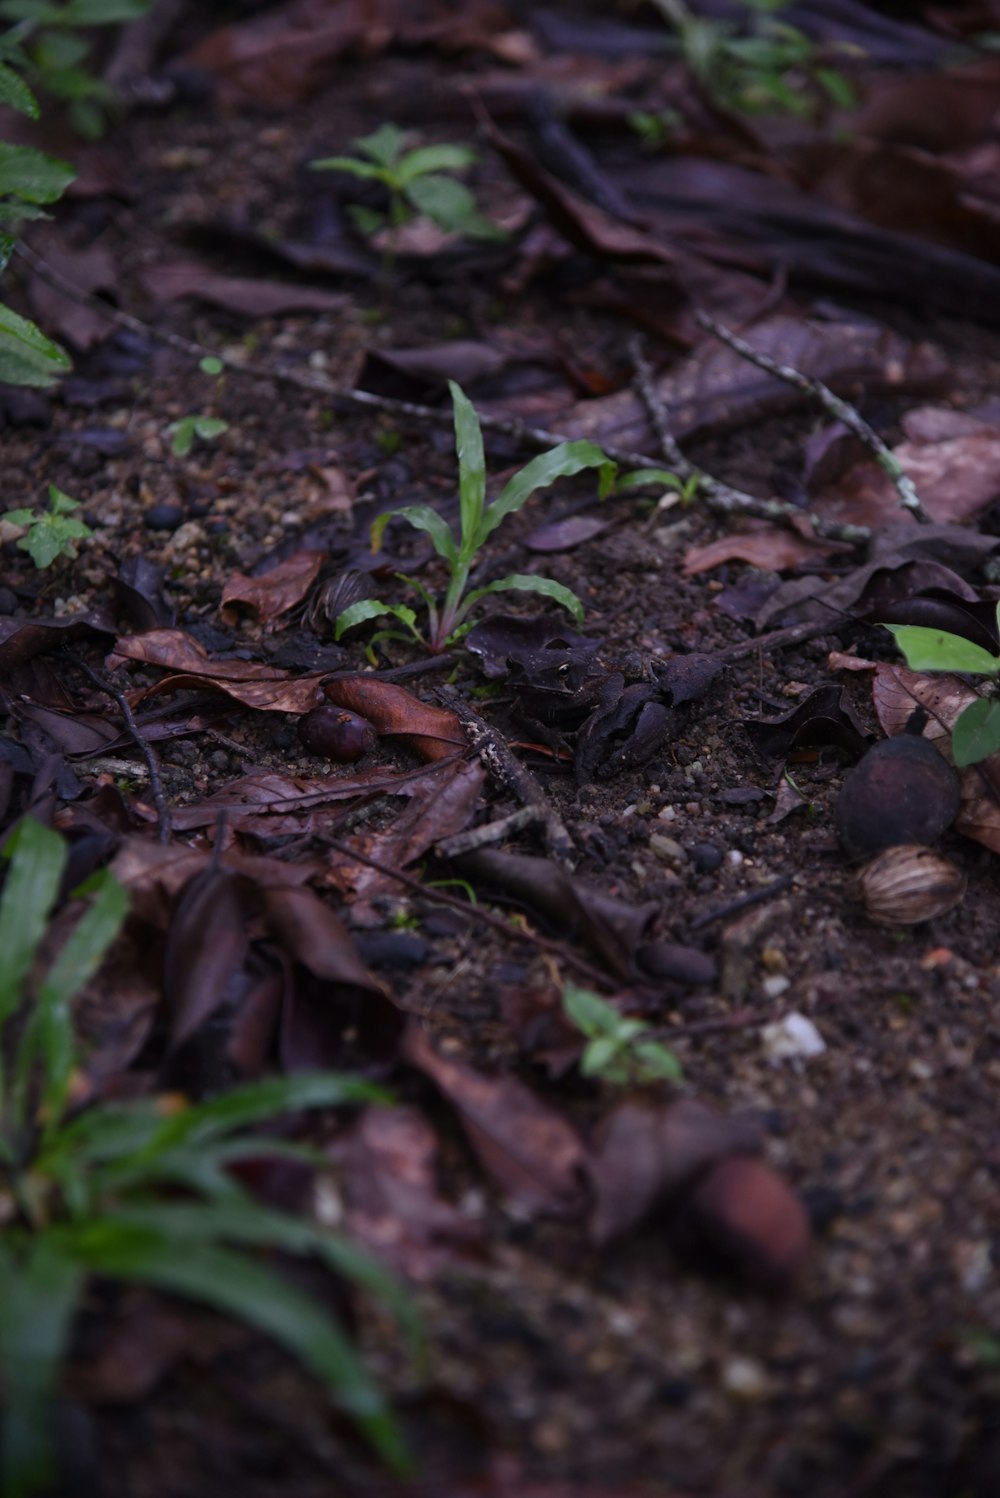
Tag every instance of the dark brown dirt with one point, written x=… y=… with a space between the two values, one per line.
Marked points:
x=632 y=1369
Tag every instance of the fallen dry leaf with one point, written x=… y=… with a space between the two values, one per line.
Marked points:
x=531 y=1151
x=432 y=732
x=276 y=591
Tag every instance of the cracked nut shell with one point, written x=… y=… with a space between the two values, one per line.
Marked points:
x=909 y=884
x=902 y=791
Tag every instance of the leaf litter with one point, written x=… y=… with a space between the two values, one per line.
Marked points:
x=853 y=1183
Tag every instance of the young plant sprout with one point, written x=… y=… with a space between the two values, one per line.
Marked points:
x=447 y=618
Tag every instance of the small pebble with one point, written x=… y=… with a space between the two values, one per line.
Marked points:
x=706 y=857
x=745 y=1378
x=792 y=1037
x=666 y=848
x=164 y=517
x=774 y=986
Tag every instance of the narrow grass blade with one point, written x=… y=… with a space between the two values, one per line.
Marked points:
x=36 y=1314
x=562 y=462
x=234 y=1284
x=471 y=469
x=37 y=857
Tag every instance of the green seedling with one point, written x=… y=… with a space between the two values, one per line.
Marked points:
x=618 y=1049
x=771 y=66
x=53 y=532
x=655 y=131
x=189 y=428
x=418 y=182
x=975 y=734
x=29 y=179
x=56 y=56
x=142 y=1191
x=448 y=619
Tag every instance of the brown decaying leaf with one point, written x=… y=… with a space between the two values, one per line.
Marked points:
x=89 y=269
x=442 y=802
x=336 y=1014
x=252 y=297
x=645 y=1155
x=956 y=477
x=21 y=639
x=611 y=928
x=530 y=1150
x=248 y=682
x=387 y=1168
x=276 y=591
x=765 y=546
x=432 y=732
x=207 y=946
x=714 y=388
x=286 y=800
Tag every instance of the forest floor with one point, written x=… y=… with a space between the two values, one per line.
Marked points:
x=780 y=1275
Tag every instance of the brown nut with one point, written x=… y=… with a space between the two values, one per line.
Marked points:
x=908 y=884
x=336 y=733
x=902 y=791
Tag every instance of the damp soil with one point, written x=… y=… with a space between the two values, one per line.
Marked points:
x=634 y=1368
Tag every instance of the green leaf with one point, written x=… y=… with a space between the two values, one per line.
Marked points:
x=422 y=518
x=560 y=462
x=976 y=734
x=30 y=174
x=384 y=146
x=839 y=88
x=183 y=436
x=210 y=427
x=939 y=650
x=27 y=357
x=523 y=582
x=372 y=608
x=103 y=12
x=451 y=206
x=242 y=1221
x=16 y=93
x=471 y=469
x=36 y=1314
x=444 y=158
x=659 y=1063
x=76 y=962
x=364 y=169
x=639 y=478
x=61 y=503
x=210 y=365
x=588 y=1011
x=234 y=1284
x=37 y=857
x=600 y=1056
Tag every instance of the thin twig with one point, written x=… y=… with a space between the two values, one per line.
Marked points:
x=474 y=912
x=103 y=684
x=755 y=897
x=488 y=833
x=717 y=496
x=504 y=766
x=840 y=410
x=307 y=380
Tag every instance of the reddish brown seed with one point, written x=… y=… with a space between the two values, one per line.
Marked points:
x=751 y=1215
x=336 y=734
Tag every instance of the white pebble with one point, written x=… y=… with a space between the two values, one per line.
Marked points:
x=792 y=1037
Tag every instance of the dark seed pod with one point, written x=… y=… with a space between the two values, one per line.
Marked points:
x=902 y=791
x=336 y=734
